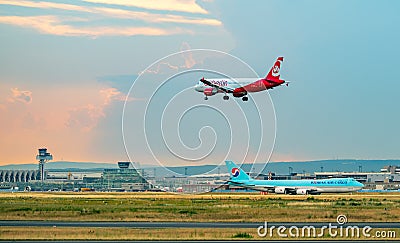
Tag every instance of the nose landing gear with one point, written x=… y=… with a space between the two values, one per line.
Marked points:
x=245 y=98
x=226 y=97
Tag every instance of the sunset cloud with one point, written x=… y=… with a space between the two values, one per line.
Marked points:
x=188 y=6
x=156 y=18
x=117 y=13
x=53 y=25
x=165 y=67
x=24 y=96
x=85 y=117
x=161 y=67
x=111 y=94
x=187 y=56
x=31 y=4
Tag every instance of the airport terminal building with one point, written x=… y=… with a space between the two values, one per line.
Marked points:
x=123 y=178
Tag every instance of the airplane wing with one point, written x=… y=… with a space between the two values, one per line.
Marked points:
x=236 y=183
x=224 y=89
x=252 y=186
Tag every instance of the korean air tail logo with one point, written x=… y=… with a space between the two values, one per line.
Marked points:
x=235 y=172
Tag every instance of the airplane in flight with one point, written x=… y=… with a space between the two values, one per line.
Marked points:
x=334 y=185
x=241 y=87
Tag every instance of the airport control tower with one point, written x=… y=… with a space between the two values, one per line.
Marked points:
x=43 y=157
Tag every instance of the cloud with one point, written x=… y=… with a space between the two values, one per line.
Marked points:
x=57 y=25
x=23 y=96
x=157 y=18
x=53 y=25
x=189 y=60
x=31 y=4
x=111 y=94
x=162 y=67
x=85 y=117
x=166 y=67
x=31 y=121
x=187 y=6
x=68 y=119
x=118 y=13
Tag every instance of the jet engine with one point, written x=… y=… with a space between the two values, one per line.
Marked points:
x=210 y=91
x=239 y=93
x=280 y=190
x=301 y=191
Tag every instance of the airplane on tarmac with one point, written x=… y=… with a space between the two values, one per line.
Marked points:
x=334 y=185
x=241 y=87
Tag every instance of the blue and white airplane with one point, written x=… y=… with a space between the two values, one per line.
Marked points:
x=335 y=185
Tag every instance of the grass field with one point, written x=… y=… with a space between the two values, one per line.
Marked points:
x=359 y=207
x=185 y=208
x=51 y=233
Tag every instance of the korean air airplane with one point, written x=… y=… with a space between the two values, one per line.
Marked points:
x=335 y=185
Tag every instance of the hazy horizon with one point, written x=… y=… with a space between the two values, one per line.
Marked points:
x=246 y=162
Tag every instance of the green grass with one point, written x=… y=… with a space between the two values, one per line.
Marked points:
x=193 y=208
x=242 y=235
x=180 y=234
x=199 y=208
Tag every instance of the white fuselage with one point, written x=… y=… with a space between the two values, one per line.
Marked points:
x=224 y=82
x=334 y=185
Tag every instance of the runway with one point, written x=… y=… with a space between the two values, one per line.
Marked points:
x=202 y=241
x=31 y=223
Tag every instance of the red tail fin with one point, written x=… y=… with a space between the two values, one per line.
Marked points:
x=274 y=73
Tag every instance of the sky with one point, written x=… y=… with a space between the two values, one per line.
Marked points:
x=67 y=68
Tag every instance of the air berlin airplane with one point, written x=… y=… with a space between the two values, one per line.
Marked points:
x=240 y=88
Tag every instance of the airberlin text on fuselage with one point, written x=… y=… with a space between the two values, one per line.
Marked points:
x=220 y=82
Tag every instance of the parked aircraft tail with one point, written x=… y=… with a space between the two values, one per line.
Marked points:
x=236 y=173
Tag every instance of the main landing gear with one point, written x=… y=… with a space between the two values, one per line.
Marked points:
x=226 y=97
